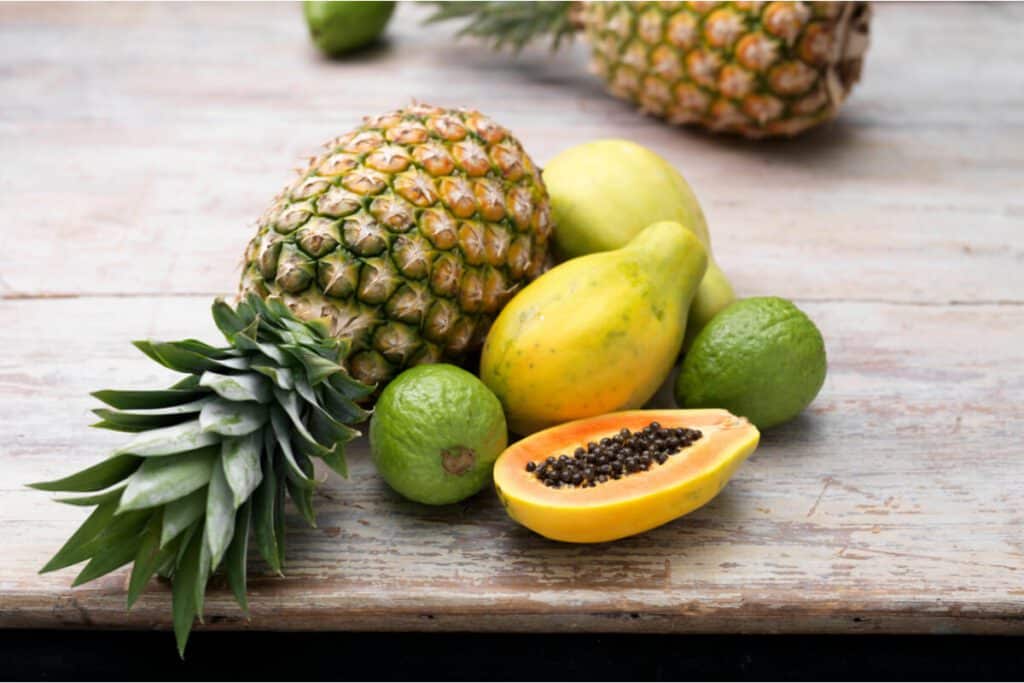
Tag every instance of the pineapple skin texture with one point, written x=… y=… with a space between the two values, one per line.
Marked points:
x=757 y=69
x=408 y=234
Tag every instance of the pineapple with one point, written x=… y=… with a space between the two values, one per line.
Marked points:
x=396 y=246
x=757 y=69
x=408 y=234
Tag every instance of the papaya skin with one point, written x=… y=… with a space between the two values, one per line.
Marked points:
x=637 y=502
x=595 y=334
x=606 y=191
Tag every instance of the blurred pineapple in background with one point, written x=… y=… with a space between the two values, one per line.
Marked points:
x=756 y=69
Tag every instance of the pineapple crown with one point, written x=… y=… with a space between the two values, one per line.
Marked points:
x=214 y=455
x=511 y=24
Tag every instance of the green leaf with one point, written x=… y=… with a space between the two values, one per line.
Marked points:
x=317 y=367
x=181 y=513
x=220 y=515
x=207 y=351
x=100 y=476
x=183 y=591
x=282 y=376
x=342 y=408
x=202 y=574
x=303 y=499
x=241 y=459
x=279 y=525
x=238 y=551
x=182 y=357
x=92 y=527
x=245 y=387
x=289 y=404
x=115 y=553
x=147 y=559
x=226 y=319
x=180 y=438
x=248 y=343
x=96 y=498
x=348 y=387
x=143 y=420
x=116 y=529
x=142 y=400
x=263 y=504
x=162 y=480
x=232 y=419
x=281 y=431
x=336 y=460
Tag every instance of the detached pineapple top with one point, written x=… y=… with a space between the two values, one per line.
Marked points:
x=409 y=234
x=757 y=69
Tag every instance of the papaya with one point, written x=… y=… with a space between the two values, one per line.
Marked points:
x=595 y=334
x=604 y=192
x=633 y=502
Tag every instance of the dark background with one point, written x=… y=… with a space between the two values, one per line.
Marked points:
x=57 y=655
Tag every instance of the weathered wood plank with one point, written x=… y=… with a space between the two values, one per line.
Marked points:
x=140 y=142
x=892 y=505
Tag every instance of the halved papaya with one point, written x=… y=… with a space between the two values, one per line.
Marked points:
x=634 y=502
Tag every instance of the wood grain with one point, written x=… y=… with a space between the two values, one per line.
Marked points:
x=152 y=137
x=893 y=504
x=139 y=143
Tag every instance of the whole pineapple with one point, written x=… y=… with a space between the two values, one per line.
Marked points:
x=757 y=69
x=408 y=234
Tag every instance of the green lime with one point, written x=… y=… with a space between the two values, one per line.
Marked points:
x=435 y=434
x=340 y=27
x=762 y=358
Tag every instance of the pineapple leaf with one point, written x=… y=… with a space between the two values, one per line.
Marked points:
x=235 y=558
x=317 y=367
x=303 y=499
x=241 y=460
x=144 y=420
x=263 y=503
x=114 y=554
x=100 y=476
x=293 y=471
x=512 y=24
x=147 y=559
x=174 y=440
x=343 y=408
x=230 y=418
x=248 y=387
x=180 y=514
x=92 y=527
x=289 y=404
x=96 y=498
x=227 y=320
x=214 y=457
x=162 y=480
x=117 y=529
x=183 y=590
x=282 y=376
x=147 y=400
x=202 y=572
x=220 y=515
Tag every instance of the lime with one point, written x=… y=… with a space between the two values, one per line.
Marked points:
x=340 y=27
x=762 y=358
x=435 y=434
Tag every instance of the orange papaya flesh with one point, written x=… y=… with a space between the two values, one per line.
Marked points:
x=635 y=503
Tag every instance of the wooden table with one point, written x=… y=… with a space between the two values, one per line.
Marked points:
x=140 y=142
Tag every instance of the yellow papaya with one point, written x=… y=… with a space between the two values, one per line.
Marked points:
x=604 y=192
x=581 y=482
x=595 y=334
